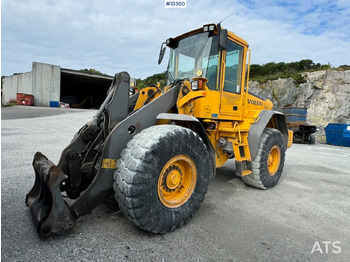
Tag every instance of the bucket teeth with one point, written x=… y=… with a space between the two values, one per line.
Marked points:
x=49 y=211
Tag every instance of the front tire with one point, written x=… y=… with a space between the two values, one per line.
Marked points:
x=162 y=177
x=267 y=164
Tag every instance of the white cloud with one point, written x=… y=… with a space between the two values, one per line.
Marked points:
x=115 y=35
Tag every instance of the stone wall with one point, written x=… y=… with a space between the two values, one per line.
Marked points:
x=12 y=85
x=46 y=83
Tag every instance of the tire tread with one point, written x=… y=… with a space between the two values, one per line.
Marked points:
x=133 y=178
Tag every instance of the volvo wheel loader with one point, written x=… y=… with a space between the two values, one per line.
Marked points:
x=157 y=149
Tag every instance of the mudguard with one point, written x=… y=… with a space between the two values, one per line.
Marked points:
x=257 y=128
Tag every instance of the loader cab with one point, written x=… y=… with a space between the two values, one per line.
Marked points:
x=195 y=55
x=216 y=57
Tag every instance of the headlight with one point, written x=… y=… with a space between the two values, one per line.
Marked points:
x=197 y=84
x=194 y=85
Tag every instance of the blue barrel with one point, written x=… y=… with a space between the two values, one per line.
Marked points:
x=338 y=134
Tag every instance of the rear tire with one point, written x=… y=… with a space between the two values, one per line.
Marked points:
x=162 y=177
x=267 y=165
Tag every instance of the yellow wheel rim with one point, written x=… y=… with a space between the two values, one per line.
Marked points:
x=273 y=160
x=177 y=181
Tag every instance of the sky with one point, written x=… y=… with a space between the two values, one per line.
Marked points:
x=115 y=35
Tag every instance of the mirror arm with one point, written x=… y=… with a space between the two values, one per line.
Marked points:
x=223 y=36
x=161 y=53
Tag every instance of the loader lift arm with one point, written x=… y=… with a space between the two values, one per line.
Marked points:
x=51 y=213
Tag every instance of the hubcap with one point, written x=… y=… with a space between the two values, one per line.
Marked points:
x=177 y=181
x=173 y=180
x=273 y=160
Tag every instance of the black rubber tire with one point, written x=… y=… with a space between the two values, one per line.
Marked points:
x=138 y=171
x=260 y=177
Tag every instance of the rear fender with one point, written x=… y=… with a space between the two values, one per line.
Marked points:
x=266 y=118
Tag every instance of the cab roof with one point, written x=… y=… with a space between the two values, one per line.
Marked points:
x=208 y=27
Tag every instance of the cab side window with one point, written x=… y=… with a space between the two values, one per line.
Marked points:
x=234 y=57
x=211 y=64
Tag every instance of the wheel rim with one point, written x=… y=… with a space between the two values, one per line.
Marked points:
x=273 y=160
x=177 y=181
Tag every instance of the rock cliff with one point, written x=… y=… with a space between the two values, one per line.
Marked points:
x=326 y=95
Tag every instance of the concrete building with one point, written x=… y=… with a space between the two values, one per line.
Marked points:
x=51 y=84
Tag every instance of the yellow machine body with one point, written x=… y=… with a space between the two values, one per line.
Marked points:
x=229 y=114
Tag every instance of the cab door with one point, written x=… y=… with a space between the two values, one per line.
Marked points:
x=231 y=100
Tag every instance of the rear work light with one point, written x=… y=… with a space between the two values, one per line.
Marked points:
x=209 y=28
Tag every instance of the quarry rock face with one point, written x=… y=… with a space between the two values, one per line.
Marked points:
x=326 y=95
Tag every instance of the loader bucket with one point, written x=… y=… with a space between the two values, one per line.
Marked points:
x=49 y=210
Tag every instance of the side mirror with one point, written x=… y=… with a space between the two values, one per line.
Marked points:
x=223 y=39
x=161 y=53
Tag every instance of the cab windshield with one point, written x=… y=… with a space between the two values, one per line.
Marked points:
x=193 y=56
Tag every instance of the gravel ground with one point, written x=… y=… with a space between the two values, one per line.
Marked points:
x=234 y=223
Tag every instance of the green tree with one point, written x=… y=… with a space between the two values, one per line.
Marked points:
x=305 y=64
x=152 y=80
x=91 y=71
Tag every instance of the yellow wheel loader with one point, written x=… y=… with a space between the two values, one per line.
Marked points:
x=156 y=150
